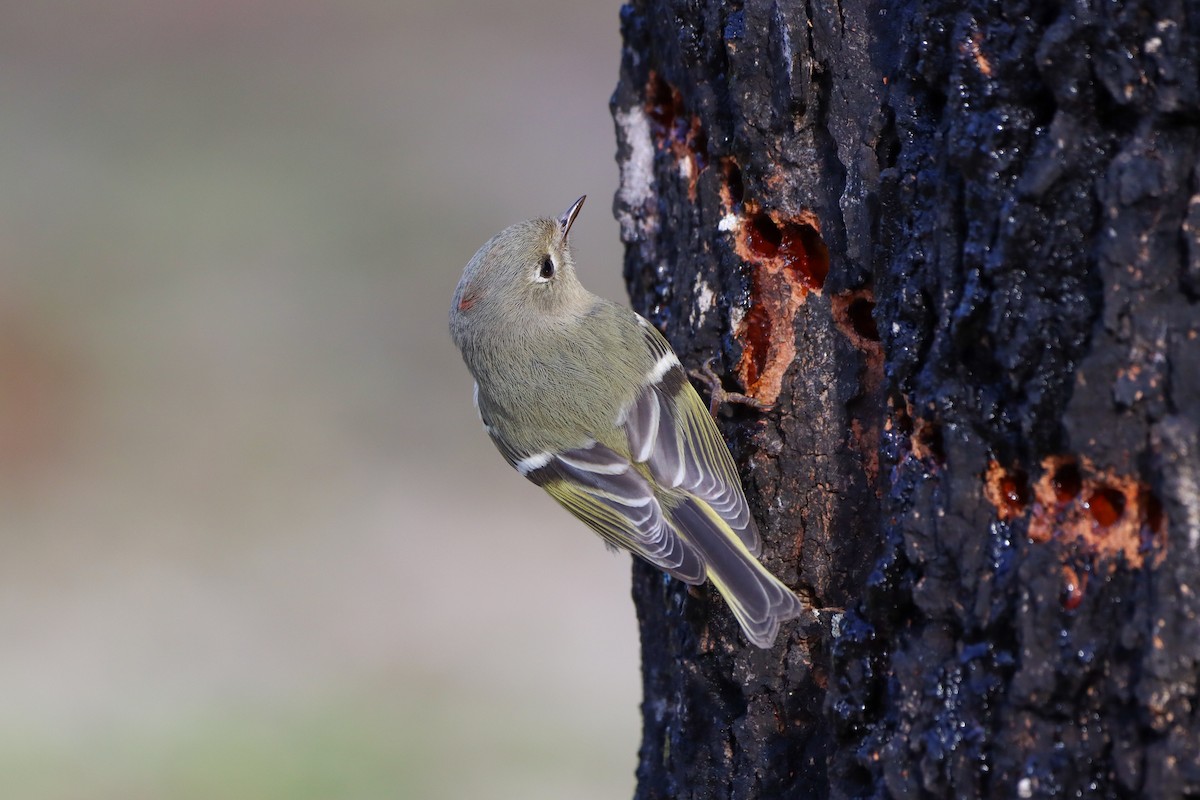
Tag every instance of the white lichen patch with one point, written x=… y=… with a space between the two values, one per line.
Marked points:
x=1189 y=496
x=637 y=172
x=729 y=222
x=686 y=168
x=736 y=315
x=705 y=300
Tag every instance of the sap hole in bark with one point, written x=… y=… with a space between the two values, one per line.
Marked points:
x=1074 y=586
x=663 y=104
x=763 y=236
x=1106 y=505
x=804 y=251
x=798 y=246
x=904 y=421
x=927 y=440
x=755 y=336
x=1067 y=482
x=1014 y=491
x=861 y=317
x=733 y=180
x=1007 y=490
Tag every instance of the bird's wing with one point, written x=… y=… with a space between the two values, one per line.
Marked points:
x=600 y=487
x=670 y=430
x=604 y=490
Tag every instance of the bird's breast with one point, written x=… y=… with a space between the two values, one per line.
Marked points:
x=553 y=397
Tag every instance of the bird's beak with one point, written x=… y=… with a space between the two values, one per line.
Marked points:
x=569 y=215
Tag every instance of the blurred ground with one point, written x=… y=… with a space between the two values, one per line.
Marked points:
x=255 y=543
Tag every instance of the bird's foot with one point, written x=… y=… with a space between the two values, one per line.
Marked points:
x=718 y=396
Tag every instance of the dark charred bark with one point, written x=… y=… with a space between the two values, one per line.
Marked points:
x=957 y=246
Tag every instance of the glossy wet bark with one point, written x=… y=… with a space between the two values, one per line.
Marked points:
x=957 y=247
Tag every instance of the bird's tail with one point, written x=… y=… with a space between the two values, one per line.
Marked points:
x=758 y=599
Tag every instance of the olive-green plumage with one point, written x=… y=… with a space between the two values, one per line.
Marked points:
x=586 y=399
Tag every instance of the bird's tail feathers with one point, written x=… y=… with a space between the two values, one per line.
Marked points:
x=758 y=599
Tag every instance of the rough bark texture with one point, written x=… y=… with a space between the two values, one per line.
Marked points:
x=957 y=246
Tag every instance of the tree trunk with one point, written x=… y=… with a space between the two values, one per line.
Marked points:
x=956 y=245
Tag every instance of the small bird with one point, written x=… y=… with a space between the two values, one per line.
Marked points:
x=587 y=399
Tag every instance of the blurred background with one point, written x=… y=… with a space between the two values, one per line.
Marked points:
x=254 y=541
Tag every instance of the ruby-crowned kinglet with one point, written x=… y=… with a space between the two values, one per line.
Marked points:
x=587 y=400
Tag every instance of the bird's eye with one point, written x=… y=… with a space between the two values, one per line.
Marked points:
x=547 y=270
